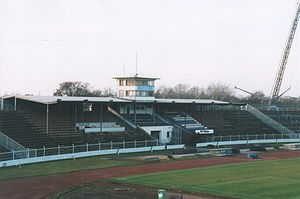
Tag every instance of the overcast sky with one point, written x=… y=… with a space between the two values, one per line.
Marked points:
x=238 y=42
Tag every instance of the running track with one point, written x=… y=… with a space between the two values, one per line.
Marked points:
x=43 y=186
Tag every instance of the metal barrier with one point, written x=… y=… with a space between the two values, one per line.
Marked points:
x=282 y=107
x=269 y=121
x=59 y=150
x=9 y=143
x=252 y=137
x=249 y=139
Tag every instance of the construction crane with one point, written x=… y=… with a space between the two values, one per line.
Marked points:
x=243 y=90
x=283 y=61
x=282 y=65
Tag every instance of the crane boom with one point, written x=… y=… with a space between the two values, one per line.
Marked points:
x=245 y=91
x=284 y=58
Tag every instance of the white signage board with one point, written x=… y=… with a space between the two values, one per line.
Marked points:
x=204 y=131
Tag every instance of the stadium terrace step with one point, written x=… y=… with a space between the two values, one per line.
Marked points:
x=184 y=120
x=289 y=119
x=226 y=122
x=29 y=129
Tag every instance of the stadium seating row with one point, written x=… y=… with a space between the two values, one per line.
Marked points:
x=29 y=129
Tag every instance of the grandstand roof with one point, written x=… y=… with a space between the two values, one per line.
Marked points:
x=54 y=99
x=189 y=101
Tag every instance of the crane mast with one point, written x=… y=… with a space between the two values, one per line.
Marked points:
x=282 y=65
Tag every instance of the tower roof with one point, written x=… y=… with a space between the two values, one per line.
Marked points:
x=137 y=77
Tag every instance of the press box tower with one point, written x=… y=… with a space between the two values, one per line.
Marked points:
x=136 y=88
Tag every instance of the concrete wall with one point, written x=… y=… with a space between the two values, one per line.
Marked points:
x=163 y=135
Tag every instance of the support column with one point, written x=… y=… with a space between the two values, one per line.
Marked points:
x=124 y=115
x=75 y=117
x=1 y=108
x=153 y=111
x=47 y=119
x=134 y=109
x=15 y=105
x=101 y=118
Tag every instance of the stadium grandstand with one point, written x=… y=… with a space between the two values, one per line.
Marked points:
x=135 y=114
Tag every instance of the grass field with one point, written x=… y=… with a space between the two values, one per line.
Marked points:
x=62 y=166
x=276 y=179
x=80 y=164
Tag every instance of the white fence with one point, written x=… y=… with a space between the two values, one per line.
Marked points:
x=59 y=150
x=250 y=139
x=71 y=152
x=236 y=137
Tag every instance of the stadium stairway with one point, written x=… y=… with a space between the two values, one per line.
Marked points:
x=184 y=120
x=290 y=119
x=185 y=125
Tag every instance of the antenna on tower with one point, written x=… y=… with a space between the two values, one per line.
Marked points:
x=136 y=63
x=124 y=70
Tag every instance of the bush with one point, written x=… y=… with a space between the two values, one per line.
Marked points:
x=257 y=148
x=235 y=150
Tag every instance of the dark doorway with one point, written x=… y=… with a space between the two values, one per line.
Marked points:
x=128 y=110
x=155 y=134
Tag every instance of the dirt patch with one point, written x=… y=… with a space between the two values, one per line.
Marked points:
x=105 y=190
x=148 y=158
x=109 y=190
x=41 y=187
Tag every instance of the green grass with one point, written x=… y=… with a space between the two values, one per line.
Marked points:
x=65 y=166
x=260 y=179
x=62 y=166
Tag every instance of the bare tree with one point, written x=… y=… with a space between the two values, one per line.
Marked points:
x=197 y=93
x=78 y=88
x=220 y=91
x=165 y=92
x=180 y=91
x=97 y=93
x=73 y=89
x=108 y=92
x=257 y=97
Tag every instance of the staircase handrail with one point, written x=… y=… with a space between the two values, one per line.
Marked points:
x=10 y=144
x=162 y=119
x=269 y=121
x=121 y=117
x=144 y=131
